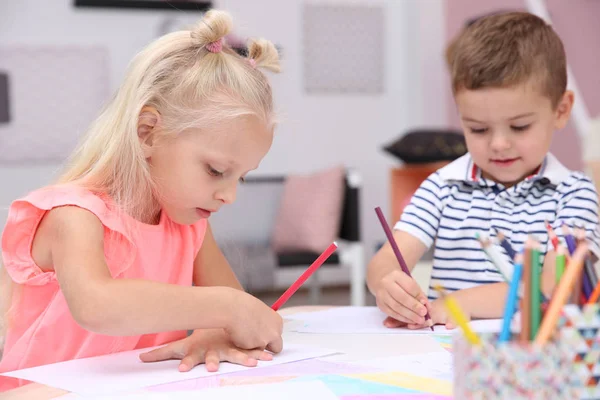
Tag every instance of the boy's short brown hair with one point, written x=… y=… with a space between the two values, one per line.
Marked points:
x=502 y=50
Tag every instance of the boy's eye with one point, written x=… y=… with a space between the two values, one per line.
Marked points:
x=520 y=128
x=478 y=130
x=242 y=179
x=214 y=172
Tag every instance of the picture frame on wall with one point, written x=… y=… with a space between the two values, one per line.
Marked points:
x=175 y=5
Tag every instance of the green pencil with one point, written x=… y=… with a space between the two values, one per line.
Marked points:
x=561 y=259
x=536 y=300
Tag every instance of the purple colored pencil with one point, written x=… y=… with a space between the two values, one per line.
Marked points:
x=390 y=236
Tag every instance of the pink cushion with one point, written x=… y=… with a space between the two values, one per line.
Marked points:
x=310 y=211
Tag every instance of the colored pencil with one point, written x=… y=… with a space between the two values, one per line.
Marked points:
x=511 y=299
x=561 y=257
x=552 y=236
x=569 y=238
x=536 y=274
x=506 y=245
x=526 y=303
x=561 y=295
x=305 y=275
x=590 y=270
x=390 y=237
x=458 y=316
x=595 y=294
x=501 y=264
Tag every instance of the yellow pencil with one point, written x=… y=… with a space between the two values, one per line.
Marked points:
x=561 y=294
x=458 y=316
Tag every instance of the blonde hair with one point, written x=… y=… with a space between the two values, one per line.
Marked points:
x=189 y=86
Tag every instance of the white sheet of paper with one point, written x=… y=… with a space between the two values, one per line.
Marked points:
x=370 y=320
x=122 y=372
x=273 y=391
x=436 y=365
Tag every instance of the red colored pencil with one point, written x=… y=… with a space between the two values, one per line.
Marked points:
x=552 y=236
x=305 y=275
x=390 y=237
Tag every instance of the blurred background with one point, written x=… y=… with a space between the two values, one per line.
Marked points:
x=364 y=100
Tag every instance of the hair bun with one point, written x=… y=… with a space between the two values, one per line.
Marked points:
x=265 y=54
x=213 y=26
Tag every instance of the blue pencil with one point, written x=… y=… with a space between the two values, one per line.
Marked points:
x=511 y=299
x=506 y=245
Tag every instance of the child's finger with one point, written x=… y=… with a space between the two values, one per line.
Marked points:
x=450 y=325
x=190 y=361
x=392 y=315
x=161 y=354
x=392 y=323
x=402 y=313
x=416 y=326
x=409 y=285
x=212 y=360
x=259 y=355
x=416 y=310
x=240 y=357
x=276 y=345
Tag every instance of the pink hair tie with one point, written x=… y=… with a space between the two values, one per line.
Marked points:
x=216 y=46
x=252 y=62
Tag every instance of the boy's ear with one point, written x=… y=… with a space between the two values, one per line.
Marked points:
x=147 y=124
x=563 y=110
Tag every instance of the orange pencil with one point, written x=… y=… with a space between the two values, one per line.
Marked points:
x=595 y=294
x=561 y=295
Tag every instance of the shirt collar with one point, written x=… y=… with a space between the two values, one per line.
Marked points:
x=464 y=169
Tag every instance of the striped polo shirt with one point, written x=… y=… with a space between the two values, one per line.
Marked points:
x=456 y=202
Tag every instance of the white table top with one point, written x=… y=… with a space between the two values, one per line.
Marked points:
x=354 y=347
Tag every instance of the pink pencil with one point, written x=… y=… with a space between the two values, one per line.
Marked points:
x=305 y=275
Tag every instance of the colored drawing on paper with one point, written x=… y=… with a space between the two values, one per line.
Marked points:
x=342 y=385
x=345 y=380
x=410 y=382
x=444 y=340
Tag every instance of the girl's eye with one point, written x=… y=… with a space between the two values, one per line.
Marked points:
x=242 y=179
x=214 y=172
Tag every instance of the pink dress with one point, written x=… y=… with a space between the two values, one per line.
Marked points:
x=42 y=330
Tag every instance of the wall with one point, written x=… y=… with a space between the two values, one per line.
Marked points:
x=317 y=131
x=576 y=21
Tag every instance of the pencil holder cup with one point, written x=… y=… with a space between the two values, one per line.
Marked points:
x=513 y=370
x=567 y=367
x=579 y=328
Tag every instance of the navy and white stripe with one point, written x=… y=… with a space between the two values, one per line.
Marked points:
x=456 y=202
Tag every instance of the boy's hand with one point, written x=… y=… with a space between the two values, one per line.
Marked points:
x=400 y=297
x=210 y=346
x=439 y=315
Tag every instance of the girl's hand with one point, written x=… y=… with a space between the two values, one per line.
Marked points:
x=254 y=325
x=208 y=346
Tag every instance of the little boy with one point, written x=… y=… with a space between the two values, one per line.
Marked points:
x=509 y=83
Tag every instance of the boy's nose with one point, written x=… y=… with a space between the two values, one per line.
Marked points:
x=500 y=142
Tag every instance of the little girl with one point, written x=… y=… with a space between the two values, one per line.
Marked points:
x=104 y=261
